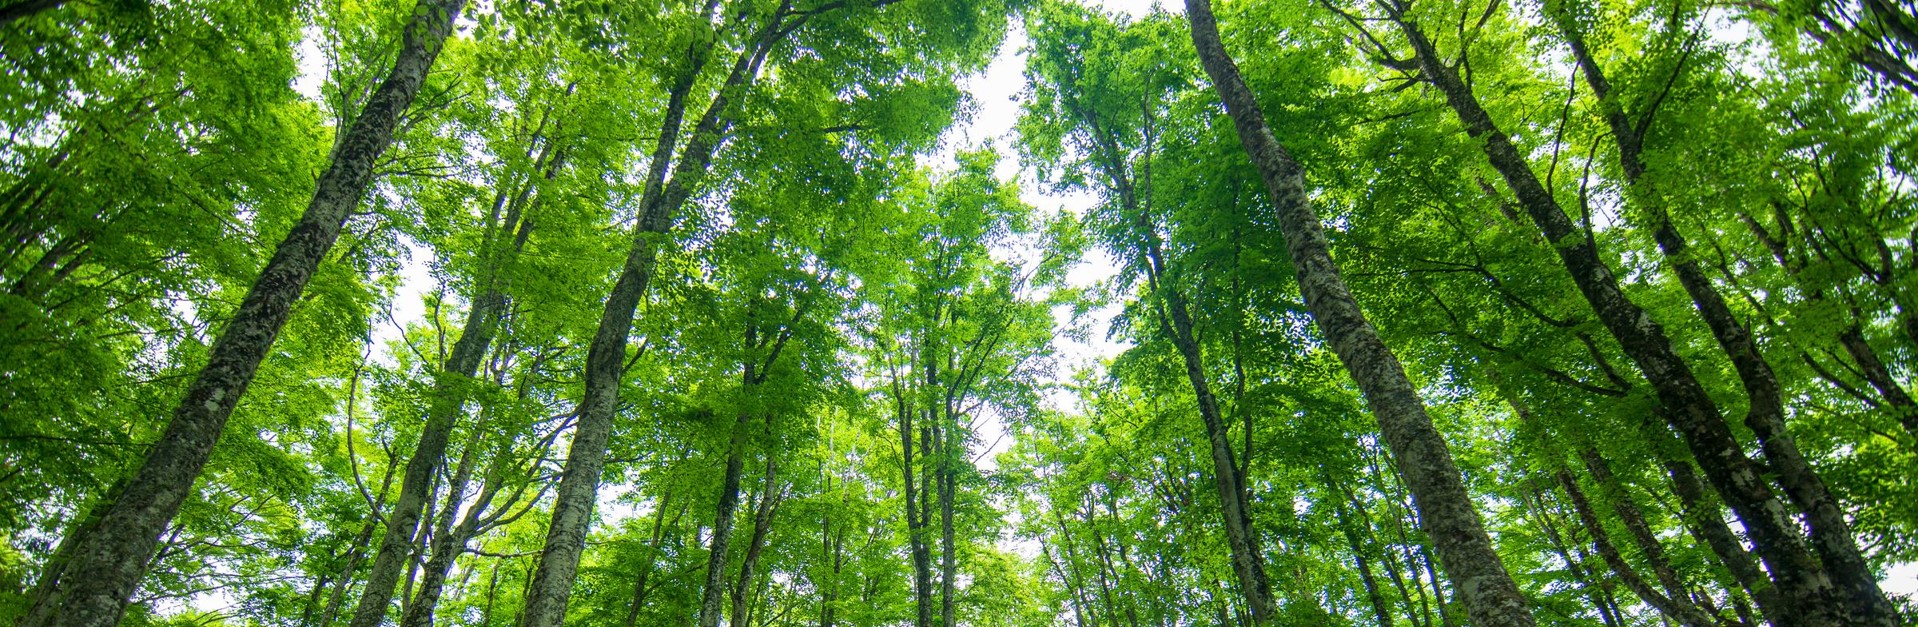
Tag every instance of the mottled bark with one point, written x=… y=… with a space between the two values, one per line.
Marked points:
x=1689 y=409
x=1765 y=414
x=1635 y=523
x=109 y=563
x=722 y=536
x=1706 y=522
x=1873 y=369
x=660 y=201
x=1418 y=449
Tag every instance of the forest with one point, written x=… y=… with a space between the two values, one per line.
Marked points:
x=929 y=313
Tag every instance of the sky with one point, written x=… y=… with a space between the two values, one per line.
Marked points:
x=995 y=94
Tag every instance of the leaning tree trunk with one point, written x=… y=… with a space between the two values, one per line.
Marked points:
x=448 y=399
x=722 y=536
x=109 y=562
x=762 y=526
x=1419 y=450
x=552 y=583
x=1675 y=608
x=1799 y=576
x=1831 y=534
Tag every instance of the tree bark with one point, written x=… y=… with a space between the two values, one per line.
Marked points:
x=1418 y=449
x=605 y=358
x=1689 y=409
x=640 y=586
x=94 y=589
x=1830 y=531
x=1678 y=609
x=1634 y=520
x=448 y=400
x=1379 y=610
x=768 y=505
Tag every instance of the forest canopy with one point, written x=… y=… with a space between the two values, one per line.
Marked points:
x=767 y=313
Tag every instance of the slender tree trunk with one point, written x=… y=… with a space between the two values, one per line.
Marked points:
x=94 y=588
x=450 y=538
x=605 y=358
x=1875 y=373
x=948 y=547
x=768 y=505
x=1418 y=449
x=915 y=523
x=1830 y=532
x=1634 y=520
x=1595 y=591
x=640 y=584
x=1379 y=610
x=1677 y=609
x=1690 y=410
x=1706 y=522
x=722 y=536
x=447 y=403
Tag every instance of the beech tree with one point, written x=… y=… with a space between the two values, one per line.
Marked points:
x=862 y=313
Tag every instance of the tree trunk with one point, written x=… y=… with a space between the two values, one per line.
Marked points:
x=1372 y=594
x=769 y=498
x=1830 y=532
x=1418 y=449
x=1706 y=522
x=1799 y=576
x=915 y=523
x=448 y=400
x=948 y=548
x=1875 y=373
x=93 y=590
x=1678 y=609
x=605 y=358
x=721 y=540
x=640 y=587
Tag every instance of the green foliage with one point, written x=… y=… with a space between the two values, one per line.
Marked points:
x=855 y=318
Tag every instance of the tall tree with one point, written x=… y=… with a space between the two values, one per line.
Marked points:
x=1418 y=449
x=110 y=559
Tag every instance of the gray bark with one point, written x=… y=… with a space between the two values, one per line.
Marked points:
x=1831 y=535
x=1678 y=609
x=1438 y=489
x=1689 y=409
x=93 y=590
x=552 y=583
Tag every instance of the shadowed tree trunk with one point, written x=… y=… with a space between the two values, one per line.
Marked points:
x=92 y=591
x=1418 y=449
x=1831 y=535
x=769 y=498
x=1678 y=609
x=1689 y=409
